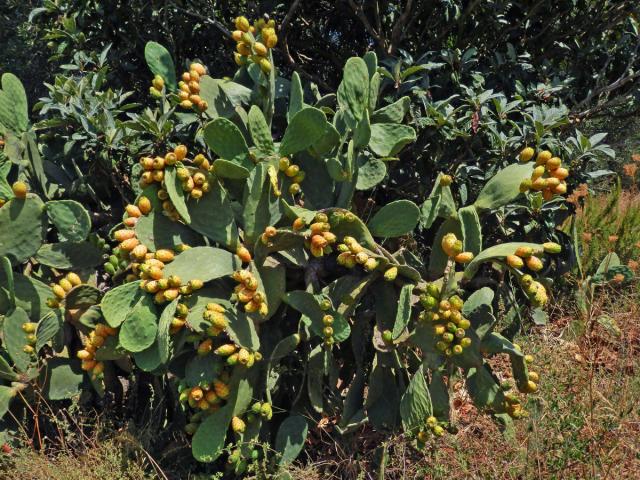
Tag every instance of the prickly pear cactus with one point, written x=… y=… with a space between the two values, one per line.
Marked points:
x=248 y=269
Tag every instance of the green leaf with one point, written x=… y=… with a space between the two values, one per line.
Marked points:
x=371 y=174
x=296 y=96
x=5 y=265
x=30 y=295
x=48 y=327
x=260 y=132
x=504 y=187
x=208 y=441
x=160 y=63
x=429 y=211
x=202 y=369
x=305 y=129
x=70 y=218
x=14 y=338
x=177 y=195
x=471 y=229
x=393 y=113
x=353 y=92
x=497 y=252
x=415 y=405
x=394 y=219
x=118 y=302
x=62 y=378
x=226 y=140
x=22 y=228
x=14 y=109
x=403 y=315
x=290 y=438
x=156 y=231
x=309 y=305
x=484 y=389
x=139 y=329
x=202 y=263
x=69 y=255
x=362 y=133
x=226 y=169
x=387 y=139
x=261 y=207
x=6 y=371
x=212 y=216
x=6 y=394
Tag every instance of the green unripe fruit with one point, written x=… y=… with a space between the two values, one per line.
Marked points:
x=441 y=346
x=464 y=324
x=447 y=337
x=266 y=411
x=465 y=342
x=433 y=290
x=427 y=301
x=387 y=336
x=255 y=408
x=327 y=320
x=457 y=349
x=438 y=431
x=325 y=304
x=551 y=247
x=327 y=331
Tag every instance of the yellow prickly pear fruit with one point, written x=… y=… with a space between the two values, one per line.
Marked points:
x=58 y=291
x=242 y=24
x=531 y=387
x=534 y=263
x=537 y=172
x=186 y=104
x=84 y=355
x=449 y=244
x=534 y=377
x=265 y=66
x=524 y=252
x=205 y=347
x=129 y=244
x=525 y=185
x=180 y=152
x=196 y=394
x=390 y=274
x=560 y=173
x=225 y=350
x=19 y=189
x=221 y=389
x=446 y=180
x=196 y=284
x=266 y=411
x=237 y=35
x=543 y=157
x=539 y=184
x=272 y=40
x=371 y=264
x=243 y=254
x=561 y=189
x=124 y=234
x=158 y=82
x=526 y=154
x=243 y=356
x=464 y=257
x=164 y=255
x=237 y=425
x=139 y=252
x=29 y=327
x=263 y=309
x=198 y=68
x=514 y=261
x=260 y=49
x=87 y=365
x=74 y=278
x=553 y=163
x=65 y=284
x=133 y=211
x=144 y=204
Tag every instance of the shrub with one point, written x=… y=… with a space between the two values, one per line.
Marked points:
x=250 y=286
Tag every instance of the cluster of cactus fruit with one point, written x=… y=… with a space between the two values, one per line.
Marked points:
x=230 y=276
x=254 y=42
x=548 y=176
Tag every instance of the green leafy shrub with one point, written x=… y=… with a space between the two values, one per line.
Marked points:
x=248 y=283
